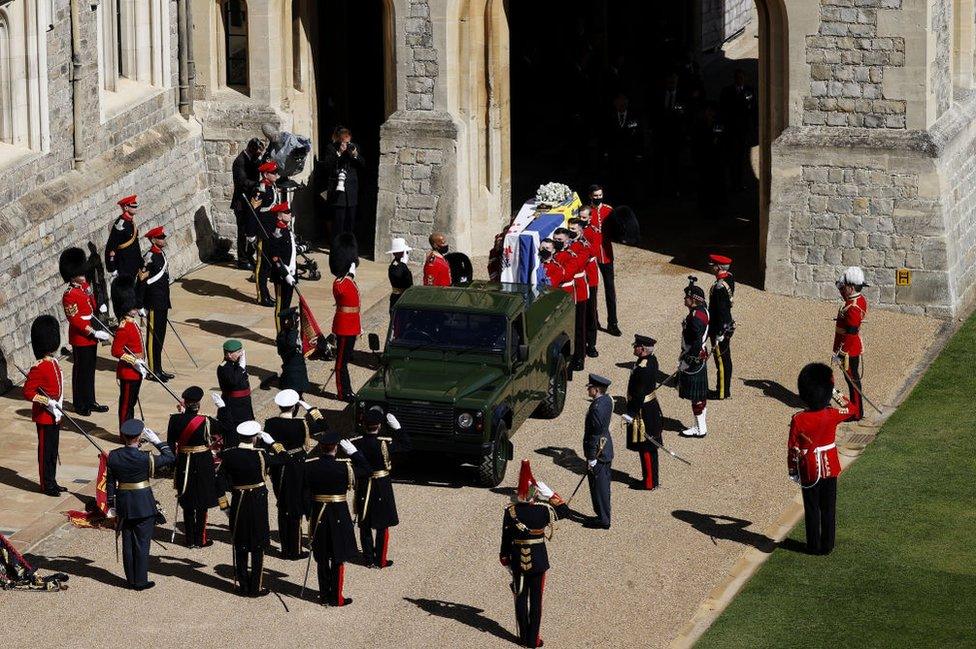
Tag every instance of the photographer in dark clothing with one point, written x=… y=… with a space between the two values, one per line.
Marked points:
x=342 y=165
x=246 y=177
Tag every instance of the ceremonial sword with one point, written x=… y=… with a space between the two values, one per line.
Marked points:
x=66 y=415
x=853 y=383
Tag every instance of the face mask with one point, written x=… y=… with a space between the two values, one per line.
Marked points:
x=443 y=249
x=573 y=234
x=558 y=245
x=544 y=255
x=596 y=201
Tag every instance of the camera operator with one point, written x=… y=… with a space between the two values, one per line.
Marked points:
x=246 y=177
x=343 y=187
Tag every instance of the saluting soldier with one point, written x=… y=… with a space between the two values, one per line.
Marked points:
x=263 y=199
x=375 y=503
x=333 y=541
x=721 y=326
x=401 y=278
x=437 y=272
x=234 y=401
x=693 y=371
x=526 y=525
x=346 y=324
x=122 y=253
x=291 y=430
x=131 y=500
x=294 y=371
x=127 y=346
x=154 y=295
x=598 y=449
x=284 y=255
x=79 y=307
x=192 y=435
x=847 y=337
x=44 y=388
x=643 y=417
x=243 y=470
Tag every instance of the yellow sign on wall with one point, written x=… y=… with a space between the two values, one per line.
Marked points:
x=903 y=277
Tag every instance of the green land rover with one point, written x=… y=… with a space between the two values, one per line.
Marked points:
x=463 y=367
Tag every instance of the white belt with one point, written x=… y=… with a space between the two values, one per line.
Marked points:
x=566 y=284
x=821 y=449
x=86 y=317
x=581 y=274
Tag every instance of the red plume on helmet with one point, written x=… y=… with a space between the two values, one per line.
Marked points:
x=526 y=484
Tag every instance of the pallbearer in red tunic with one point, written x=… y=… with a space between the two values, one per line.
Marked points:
x=847 y=336
x=573 y=257
x=83 y=336
x=599 y=212
x=127 y=346
x=44 y=389
x=588 y=238
x=346 y=325
x=643 y=415
x=437 y=272
x=812 y=459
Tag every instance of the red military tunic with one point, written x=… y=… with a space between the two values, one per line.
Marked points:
x=594 y=238
x=437 y=272
x=582 y=252
x=79 y=306
x=556 y=275
x=569 y=261
x=847 y=338
x=45 y=375
x=812 y=448
x=346 y=321
x=128 y=336
x=598 y=215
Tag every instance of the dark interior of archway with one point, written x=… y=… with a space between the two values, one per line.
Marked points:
x=349 y=78
x=683 y=165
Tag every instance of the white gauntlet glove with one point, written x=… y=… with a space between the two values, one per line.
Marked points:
x=305 y=404
x=141 y=367
x=102 y=335
x=143 y=313
x=627 y=418
x=347 y=446
x=543 y=490
x=290 y=279
x=111 y=512
x=150 y=436
x=217 y=399
x=103 y=308
x=591 y=463
x=242 y=360
x=267 y=439
x=392 y=421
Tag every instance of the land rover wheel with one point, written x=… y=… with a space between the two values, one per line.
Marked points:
x=491 y=468
x=555 y=399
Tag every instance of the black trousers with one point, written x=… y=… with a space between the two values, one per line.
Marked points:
x=610 y=293
x=592 y=318
x=820 y=515
x=852 y=370
x=344 y=349
x=48 y=438
x=136 y=537
x=83 y=376
x=375 y=544
x=283 y=296
x=262 y=273
x=579 y=343
x=128 y=397
x=649 y=468
x=343 y=219
x=290 y=534
x=393 y=300
x=723 y=368
x=528 y=591
x=155 y=337
x=244 y=249
x=249 y=582
x=195 y=526
x=332 y=576
x=598 y=479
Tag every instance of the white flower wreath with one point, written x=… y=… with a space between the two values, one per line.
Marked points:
x=553 y=194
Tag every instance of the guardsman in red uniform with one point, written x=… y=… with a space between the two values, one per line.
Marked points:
x=693 y=370
x=127 y=346
x=599 y=211
x=346 y=325
x=122 y=254
x=812 y=459
x=721 y=326
x=550 y=272
x=573 y=257
x=590 y=237
x=437 y=272
x=79 y=307
x=847 y=336
x=44 y=388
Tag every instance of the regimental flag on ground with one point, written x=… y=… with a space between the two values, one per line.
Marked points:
x=96 y=517
x=312 y=338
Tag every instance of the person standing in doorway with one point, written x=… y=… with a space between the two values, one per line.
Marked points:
x=343 y=163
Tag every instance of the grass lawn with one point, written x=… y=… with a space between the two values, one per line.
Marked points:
x=903 y=573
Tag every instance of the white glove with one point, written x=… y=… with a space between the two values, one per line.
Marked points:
x=347 y=446
x=251 y=239
x=54 y=407
x=267 y=439
x=141 y=367
x=242 y=360
x=835 y=359
x=143 y=313
x=111 y=512
x=591 y=463
x=101 y=335
x=305 y=404
x=352 y=270
x=627 y=418
x=115 y=274
x=217 y=399
x=719 y=338
x=392 y=421
x=795 y=478
x=150 y=436
x=543 y=490
x=103 y=308
x=290 y=279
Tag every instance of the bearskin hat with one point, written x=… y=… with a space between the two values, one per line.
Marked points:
x=815 y=385
x=693 y=290
x=344 y=253
x=461 y=269
x=123 y=295
x=73 y=262
x=45 y=336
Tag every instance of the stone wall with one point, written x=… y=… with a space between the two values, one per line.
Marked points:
x=723 y=19
x=422 y=68
x=941 y=72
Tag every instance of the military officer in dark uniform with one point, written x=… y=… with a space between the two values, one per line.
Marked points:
x=191 y=435
x=292 y=431
x=598 y=449
x=153 y=291
x=294 y=372
x=333 y=540
x=720 y=322
x=243 y=470
x=643 y=416
x=122 y=253
x=524 y=530
x=234 y=401
x=401 y=278
x=283 y=252
x=262 y=222
x=245 y=175
x=131 y=500
x=375 y=504
x=693 y=371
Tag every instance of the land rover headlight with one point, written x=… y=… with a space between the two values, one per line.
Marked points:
x=465 y=420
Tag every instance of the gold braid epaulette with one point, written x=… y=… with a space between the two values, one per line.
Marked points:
x=386 y=454
x=522 y=527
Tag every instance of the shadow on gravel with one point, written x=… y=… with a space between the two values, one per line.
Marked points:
x=230 y=330
x=726 y=528
x=568 y=459
x=205 y=287
x=775 y=390
x=79 y=567
x=465 y=614
x=13 y=479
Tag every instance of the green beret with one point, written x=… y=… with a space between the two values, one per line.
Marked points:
x=233 y=345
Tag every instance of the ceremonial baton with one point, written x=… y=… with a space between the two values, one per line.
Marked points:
x=853 y=383
x=182 y=344
x=599 y=452
x=67 y=416
x=150 y=372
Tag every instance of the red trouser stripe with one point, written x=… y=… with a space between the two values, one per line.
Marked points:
x=340 y=600
x=203 y=527
x=542 y=590
x=648 y=469
x=385 y=545
x=40 y=455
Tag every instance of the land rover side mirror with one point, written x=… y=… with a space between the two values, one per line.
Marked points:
x=522 y=353
x=374 y=342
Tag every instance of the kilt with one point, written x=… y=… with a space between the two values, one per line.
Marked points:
x=694 y=387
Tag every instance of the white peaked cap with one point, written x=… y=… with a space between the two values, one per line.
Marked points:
x=248 y=428
x=286 y=398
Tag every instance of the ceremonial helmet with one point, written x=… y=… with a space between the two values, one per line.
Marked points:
x=344 y=253
x=693 y=290
x=72 y=263
x=853 y=276
x=45 y=335
x=526 y=483
x=815 y=385
x=123 y=295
